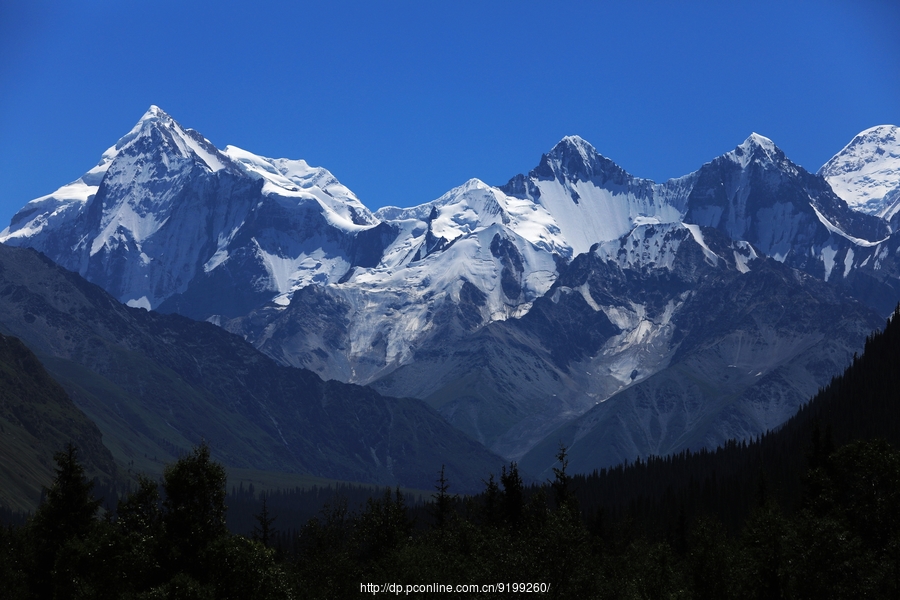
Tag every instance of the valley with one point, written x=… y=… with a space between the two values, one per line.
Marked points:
x=576 y=304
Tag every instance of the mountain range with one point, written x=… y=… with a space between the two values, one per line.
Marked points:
x=575 y=304
x=157 y=384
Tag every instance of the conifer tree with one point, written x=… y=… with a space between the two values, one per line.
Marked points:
x=383 y=524
x=491 y=510
x=194 y=507
x=69 y=509
x=562 y=480
x=442 y=502
x=513 y=500
x=264 y=532
x=139 y=513
x=68 y=513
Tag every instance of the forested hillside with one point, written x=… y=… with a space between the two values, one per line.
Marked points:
x=809 y=511
x=861 y=404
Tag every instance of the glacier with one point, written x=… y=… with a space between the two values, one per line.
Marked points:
x=283 y=254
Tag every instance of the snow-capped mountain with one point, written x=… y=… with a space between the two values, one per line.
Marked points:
x=296 y=179
x=591 y=198
x=511 y=309
x=742 y=350
x=480 y=254
x=166 y=221
x=164 y=208
x=756 y=194
x=156 y=384
x=753 y=193
x=473 y=256
x=628 y=315
x=866 y=172
x=518 y=379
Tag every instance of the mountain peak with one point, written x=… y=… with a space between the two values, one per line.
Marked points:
x=577 y=143
x=472 y=184
x=157 y=131
x=154 y=118
x=154 y=114
x=866 y=172
x=756 y=148
x=574 y=147
x=154 y=111
x=755 y=139
x=874 y=144
x=575 y=159
x=879 y=132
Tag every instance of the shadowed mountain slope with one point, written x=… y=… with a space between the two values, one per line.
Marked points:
x=37 y=419
x=157 y=384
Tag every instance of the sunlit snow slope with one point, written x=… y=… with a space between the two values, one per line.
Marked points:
x=866 y=172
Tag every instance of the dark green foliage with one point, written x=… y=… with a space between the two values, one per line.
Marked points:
x=135 y=540
x=60 y=526
x=239 y=568
x=512 y=500
x=383 y=526
x=841 y=543
x=491 y=508
x=561 y=480
x=139 y=513
x=811 y=511
x=14 y=566
x=69 y=509
x=295 y=507
x=767 y=540
x=442 y=502
x=194 y=507
x=326 y=552
x=848 y=533
x=177 y=548
x=710 y=561
x=264 y=533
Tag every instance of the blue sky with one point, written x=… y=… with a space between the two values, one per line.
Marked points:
x=404 y=100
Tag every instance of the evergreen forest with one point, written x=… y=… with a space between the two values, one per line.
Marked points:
x=811 y=510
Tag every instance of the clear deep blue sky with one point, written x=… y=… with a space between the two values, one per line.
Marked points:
x=404 y=100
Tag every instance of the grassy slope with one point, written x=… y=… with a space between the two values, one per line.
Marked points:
x=37 y=419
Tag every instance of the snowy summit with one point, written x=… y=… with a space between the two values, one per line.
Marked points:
x=866 y=172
